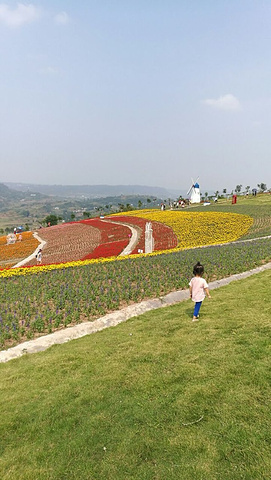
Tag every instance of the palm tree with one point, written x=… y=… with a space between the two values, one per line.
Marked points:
x=262 y=187
x=238 y=188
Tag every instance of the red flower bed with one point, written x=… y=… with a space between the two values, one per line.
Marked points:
x=114 y=238
x=95 y=238
x=164 y=237
x=111 y=249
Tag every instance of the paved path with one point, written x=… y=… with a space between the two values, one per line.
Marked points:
x=133 y=240
x=33 y=255
x=113 y=319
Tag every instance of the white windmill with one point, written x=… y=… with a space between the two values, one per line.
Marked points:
x=194 y=191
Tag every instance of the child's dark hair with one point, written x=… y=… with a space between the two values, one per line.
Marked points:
x=198 y=269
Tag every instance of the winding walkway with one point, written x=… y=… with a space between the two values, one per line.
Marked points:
x=33 y=255
x=133 y=240
x=112 y=319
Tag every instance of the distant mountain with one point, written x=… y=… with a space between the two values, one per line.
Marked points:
x=7 y=193
x=93 y=191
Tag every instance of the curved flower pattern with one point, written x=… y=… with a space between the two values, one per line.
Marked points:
x=192 y=229
x=195 y=229
x=164 y=237
x=114 y=238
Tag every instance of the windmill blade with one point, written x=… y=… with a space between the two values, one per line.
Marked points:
x=196 y=180
x=192 y=185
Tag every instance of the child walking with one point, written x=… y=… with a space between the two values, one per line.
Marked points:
x=198 y=287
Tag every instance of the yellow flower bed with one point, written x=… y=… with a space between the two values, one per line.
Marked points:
x=196 y=229
x=11 y=272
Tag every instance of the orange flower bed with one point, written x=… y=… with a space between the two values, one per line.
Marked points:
x=14 y=253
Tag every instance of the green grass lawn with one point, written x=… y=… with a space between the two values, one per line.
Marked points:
x=125 y=403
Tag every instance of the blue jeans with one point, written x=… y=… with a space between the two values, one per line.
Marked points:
x=196 y=309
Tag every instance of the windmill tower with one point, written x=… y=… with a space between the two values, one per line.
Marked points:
x=194 y=191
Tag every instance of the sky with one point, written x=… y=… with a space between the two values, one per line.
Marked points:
x=147 y=92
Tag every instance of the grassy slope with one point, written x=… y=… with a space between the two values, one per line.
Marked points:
x=112 y=405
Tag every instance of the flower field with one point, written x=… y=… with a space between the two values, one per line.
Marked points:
x=14 y=253
x=40 y=303
x=195 y=229
x=94 y=280
x=258 y=209
x=96 y=238
x=67 y=242
x=164 y=237
x=114 y=238
x=87 y=239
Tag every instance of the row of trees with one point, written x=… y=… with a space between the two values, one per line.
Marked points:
x=262 y=187
x=52 y=219
x=9 y=229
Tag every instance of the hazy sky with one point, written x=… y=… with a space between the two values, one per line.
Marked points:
x=146 y=92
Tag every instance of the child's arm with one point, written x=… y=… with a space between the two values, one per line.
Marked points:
x=207 y=292
x=190 y=291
